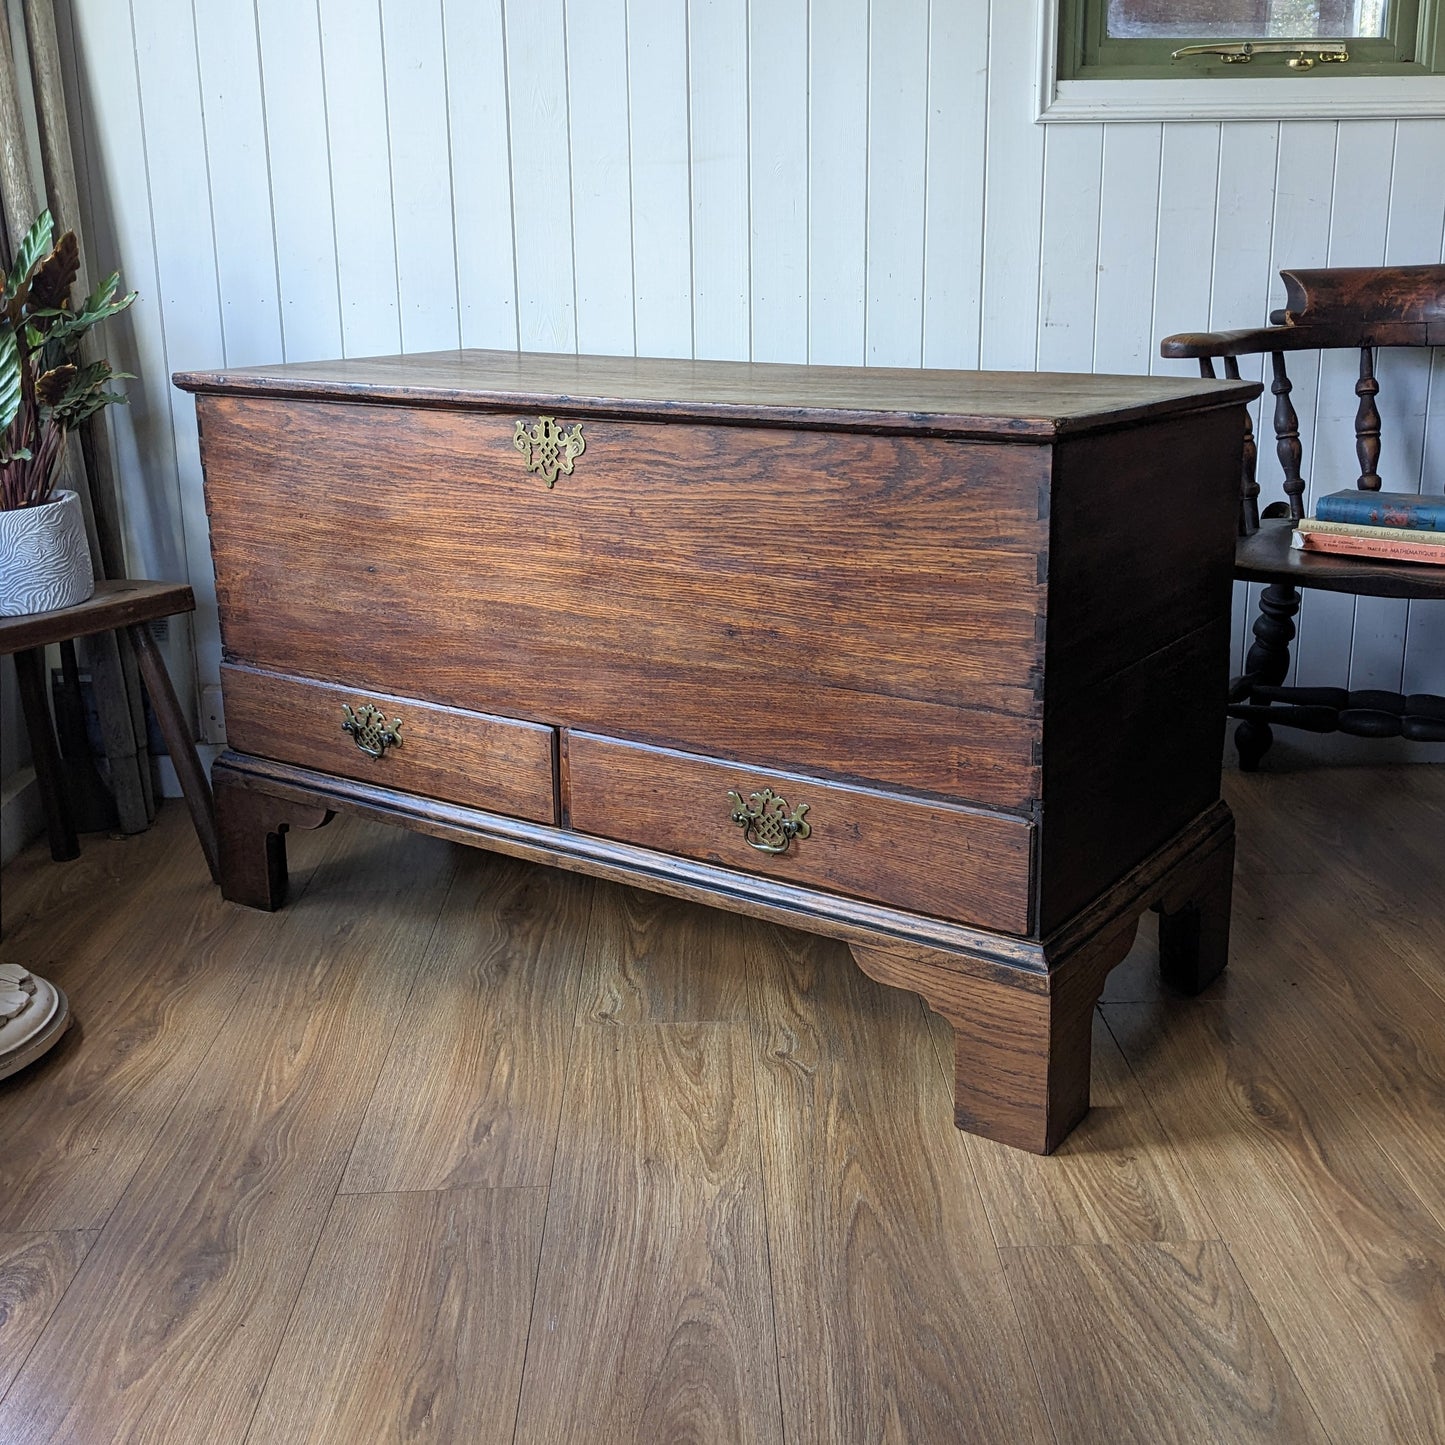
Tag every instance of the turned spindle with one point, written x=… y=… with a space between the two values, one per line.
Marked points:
x=1367 y=423
x=1286 y=435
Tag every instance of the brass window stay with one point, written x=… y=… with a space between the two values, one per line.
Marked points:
x=1304 y=54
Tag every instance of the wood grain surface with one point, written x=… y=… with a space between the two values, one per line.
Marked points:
x=950 y=862
x=471 y=1091
x=1143 y=1343
x=662 y=1329
x=983 y=403
x=35 y=1271
x=150 y=1017
x=885 y=589
x=115 y=603
x=1115 y=597
x=653 y=959
x=406 y=1295
x=1115 y=1180
x=1346 y=1261
x=1102 y=765
x=171 y=1326
x=764 y=1224
x=893 y=1318
x=499 y=764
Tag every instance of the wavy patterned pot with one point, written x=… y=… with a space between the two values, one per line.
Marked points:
x=44 y=559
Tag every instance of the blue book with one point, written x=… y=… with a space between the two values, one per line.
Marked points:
x=1383 y=509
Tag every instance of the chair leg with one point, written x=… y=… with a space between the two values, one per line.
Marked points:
x=1267 y=665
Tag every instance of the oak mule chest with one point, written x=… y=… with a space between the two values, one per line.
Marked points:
x=932 y=662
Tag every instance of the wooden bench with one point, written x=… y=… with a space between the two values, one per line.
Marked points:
x=127 y=604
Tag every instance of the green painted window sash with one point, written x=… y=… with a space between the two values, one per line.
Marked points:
x=1414 y=44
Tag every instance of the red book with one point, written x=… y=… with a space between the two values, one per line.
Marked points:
x=1390 y=550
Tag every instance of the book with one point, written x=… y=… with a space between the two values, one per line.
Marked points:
x=1360 y=529
x=1383 y=509
x=1385 y=548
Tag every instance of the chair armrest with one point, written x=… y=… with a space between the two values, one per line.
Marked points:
x=1296 y=338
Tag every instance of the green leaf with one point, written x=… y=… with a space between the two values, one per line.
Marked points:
x=9 y=379
x=68 y=326
x=30 y=251
x=87 y=380
x=92 y=405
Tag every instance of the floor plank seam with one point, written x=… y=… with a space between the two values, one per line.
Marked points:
x=421 y=956
x=542 y=1237
x=55 y=1308
x=1043 y=1394
x=568 y=1069
x=290 y=1315
x=758 y=1030
x=1301 y=1393
x=341 y=1171
x=1159 y=1132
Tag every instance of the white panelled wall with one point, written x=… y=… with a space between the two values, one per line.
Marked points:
x=848 y=181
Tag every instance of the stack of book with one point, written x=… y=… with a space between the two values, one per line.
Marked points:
x=1398 y=526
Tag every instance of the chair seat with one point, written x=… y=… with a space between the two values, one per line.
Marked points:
x=1267 y=556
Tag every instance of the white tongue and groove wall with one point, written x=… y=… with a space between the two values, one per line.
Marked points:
x=837 y=181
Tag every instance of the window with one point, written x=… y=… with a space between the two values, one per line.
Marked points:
x=1114 y=59
x=1138 y=39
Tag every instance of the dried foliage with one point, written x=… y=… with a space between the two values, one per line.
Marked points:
x=45 y=389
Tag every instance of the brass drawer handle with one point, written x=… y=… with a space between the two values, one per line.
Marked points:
x=766 y=822
x=548 y=448
x=370 y=730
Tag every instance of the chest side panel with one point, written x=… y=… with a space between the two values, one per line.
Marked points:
x=1140 y=563
x=860 y=606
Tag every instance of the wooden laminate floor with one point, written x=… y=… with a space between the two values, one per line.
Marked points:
x=459 y=1149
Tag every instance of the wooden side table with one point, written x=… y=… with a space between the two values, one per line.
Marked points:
x=128 y=604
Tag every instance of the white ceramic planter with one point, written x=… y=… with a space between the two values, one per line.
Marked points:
x=44 y=559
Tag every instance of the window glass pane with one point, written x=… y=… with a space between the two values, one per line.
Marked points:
x=1245 y=19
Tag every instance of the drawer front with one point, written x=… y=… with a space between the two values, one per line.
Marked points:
x=883 y=590
x=932 y=858
x=494 y=763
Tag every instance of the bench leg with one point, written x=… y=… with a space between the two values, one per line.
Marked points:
x=251 y=830
x=49 y=773
x=176 y=730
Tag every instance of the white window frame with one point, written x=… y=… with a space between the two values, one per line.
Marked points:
x=1333 y=97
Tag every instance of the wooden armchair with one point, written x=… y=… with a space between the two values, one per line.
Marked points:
x=1361 y=308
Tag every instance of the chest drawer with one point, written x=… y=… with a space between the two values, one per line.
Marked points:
x=958 y=863
x=495 y=763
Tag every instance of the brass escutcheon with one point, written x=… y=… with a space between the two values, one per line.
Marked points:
x=369 y=728
x=766 y=822
x=548 y=448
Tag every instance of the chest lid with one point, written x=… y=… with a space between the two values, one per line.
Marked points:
x=1001 y=405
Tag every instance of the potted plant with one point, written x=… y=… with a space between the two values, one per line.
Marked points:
x=46 y=390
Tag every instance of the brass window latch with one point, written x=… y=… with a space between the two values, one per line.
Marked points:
x=1304 y=54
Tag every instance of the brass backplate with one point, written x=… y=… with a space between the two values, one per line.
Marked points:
x=548 y=447
x=369 y=728
x=766 y=821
